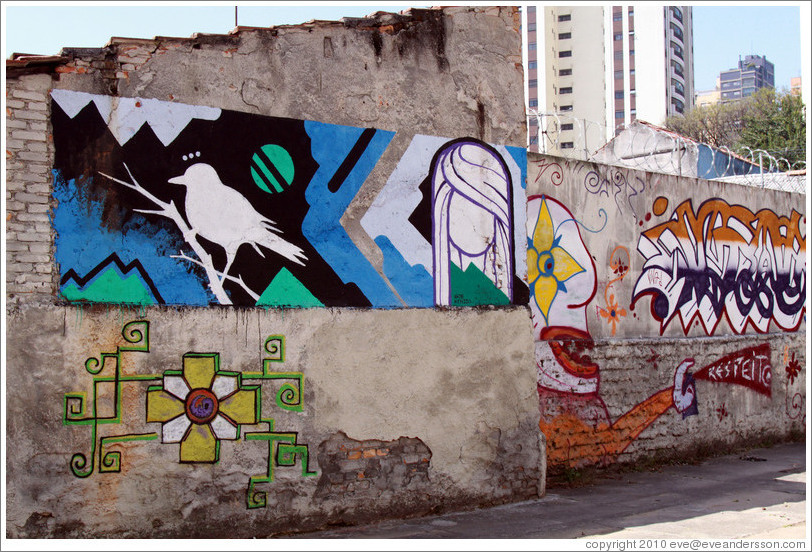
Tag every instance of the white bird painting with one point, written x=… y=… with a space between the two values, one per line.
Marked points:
x=224 y=216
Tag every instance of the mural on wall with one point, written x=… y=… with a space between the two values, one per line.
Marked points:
x=472 y=220
x=619 y=264
x=166 y=203
x=574 y=417
x=447 y=222
x=197 y=407
x=723 y=260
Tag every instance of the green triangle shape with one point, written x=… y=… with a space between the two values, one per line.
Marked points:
x=472 y=287
x=287 y=291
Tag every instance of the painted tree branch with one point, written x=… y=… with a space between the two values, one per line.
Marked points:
x=238 y=281
x=170 y=211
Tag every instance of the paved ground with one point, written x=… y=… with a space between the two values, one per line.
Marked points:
x=760 y=494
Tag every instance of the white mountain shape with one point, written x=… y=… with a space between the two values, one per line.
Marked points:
x=125 y=116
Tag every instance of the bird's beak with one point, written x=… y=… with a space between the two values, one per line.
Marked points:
x=178 y=180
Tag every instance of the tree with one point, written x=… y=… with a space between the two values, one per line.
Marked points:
x=768 y=120
x=776 y=123
x=718 y=125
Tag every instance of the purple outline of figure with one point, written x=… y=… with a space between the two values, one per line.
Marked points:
x=471 y=215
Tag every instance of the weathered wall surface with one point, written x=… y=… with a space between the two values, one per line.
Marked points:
x=668 y=312
x=149 y=416
x=159 y=385
x=343 y=416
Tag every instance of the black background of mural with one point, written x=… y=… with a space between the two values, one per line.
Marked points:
x=84 y=147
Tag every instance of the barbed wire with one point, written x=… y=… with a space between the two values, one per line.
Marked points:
x=648 y=147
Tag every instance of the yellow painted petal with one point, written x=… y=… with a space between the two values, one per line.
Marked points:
x=565 y=266
x=532 y=265
x=199 y=370
x=544 y=292
x=543 y=234
x=163 y=406
x=241 y=406
x=200 y=445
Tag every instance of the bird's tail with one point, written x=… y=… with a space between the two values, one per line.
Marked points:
x=281 y=247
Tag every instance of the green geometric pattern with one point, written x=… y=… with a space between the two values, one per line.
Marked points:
x=284 y=450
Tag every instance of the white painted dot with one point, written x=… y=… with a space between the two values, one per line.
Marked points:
x=184 y=158
x=198 y=154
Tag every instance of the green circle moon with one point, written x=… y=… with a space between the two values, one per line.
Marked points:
x=272 y=168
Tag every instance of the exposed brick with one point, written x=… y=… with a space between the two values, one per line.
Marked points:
x=22 y=271
x=28 y=177
x=29 y=95
x=29 y=135
x=17 y=226
x=38 y=106
x=17 y=246
x=15 y=144
x=25 y=197
x=32 y=258
x=33 y=156
x=30 y=276
x=39 y=247
x=38 y=83
x=15 y=104
x=69 y=69
x=36 y=146
x=133 y=60
x=33 y=237
x=38 y=208
x=33 y=125
x=14 y=123
x=38 y=188
x=100 y=64
x=31 y=115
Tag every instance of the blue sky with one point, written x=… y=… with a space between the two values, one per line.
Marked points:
x=46 y=27
x=721 y=33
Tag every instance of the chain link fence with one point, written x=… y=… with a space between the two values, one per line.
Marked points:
x=648 y=147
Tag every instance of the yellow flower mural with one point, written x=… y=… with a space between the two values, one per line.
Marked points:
x=200 y=406
x=549 y=265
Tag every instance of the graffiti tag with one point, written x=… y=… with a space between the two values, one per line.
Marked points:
x=725 y=259
x=617 y=185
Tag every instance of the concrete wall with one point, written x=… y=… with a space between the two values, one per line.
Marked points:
x=665 y=314
x=668 y=312
x=144 y=417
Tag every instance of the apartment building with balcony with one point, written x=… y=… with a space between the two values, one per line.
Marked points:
x=594 y=69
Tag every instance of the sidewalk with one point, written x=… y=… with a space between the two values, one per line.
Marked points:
x=759 y=494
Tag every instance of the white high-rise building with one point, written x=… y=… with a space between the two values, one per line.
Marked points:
x=591 y=69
